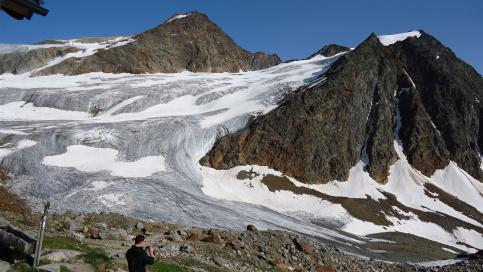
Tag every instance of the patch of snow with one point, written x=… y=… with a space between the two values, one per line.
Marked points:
x=391 y=39
x=98 y=185
x=12 y=132
x=449 y=250
x=359 y=185
x=27 y=111
x=470 y=237
x=440 y=262
x=92 y=159
x=25 y=144
x=176 y=17
x=5 y=152
x=112 y=200
x=22 y=144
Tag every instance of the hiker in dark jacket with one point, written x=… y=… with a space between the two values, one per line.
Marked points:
x=139 y=255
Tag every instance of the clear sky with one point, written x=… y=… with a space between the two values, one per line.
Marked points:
x=290 y=28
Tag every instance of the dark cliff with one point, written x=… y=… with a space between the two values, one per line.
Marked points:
x=321 y=132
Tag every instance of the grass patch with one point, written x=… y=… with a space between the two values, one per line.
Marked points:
x=61 y=242
x=22 y=267
x=161 y=267
x=93 y=256
x=96 y=257
x=65 y=269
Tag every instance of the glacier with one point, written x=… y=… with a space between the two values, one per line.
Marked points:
x=82 y=159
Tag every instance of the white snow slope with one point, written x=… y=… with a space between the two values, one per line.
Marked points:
x=138 y=154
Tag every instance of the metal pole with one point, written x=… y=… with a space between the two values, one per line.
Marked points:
x=38 y=244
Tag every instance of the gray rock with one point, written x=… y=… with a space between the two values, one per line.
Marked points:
x=139 y=225
x=114 y=234
x=4 y=266
x=174 y=236
x=186 y=248
x=78 y=236
x=100 y=226
x=182 y=233
x=169 y=249
x=60 y=255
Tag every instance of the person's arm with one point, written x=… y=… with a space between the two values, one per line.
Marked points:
x=149 y=258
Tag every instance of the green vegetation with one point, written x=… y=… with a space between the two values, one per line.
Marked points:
x=22 y=267
x=94 y=256
x=161 y=267
x=60 y=242
x=64 y=269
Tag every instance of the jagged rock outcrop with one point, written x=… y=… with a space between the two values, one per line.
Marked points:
x=321 y=132
x=191 y=42
x=21 y=62
x=331 y=50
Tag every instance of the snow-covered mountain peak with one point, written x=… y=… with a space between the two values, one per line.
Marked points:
x=393 y=38
x=178 y=16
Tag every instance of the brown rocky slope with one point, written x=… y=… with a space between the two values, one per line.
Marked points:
x=192 y=43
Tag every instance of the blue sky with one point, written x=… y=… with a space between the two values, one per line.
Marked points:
x=290 y=28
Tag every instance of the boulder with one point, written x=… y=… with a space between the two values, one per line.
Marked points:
x=60 y=255
x=100 y=226
x=195 y=236
x=174 y=236
x=78 y=236
x=4 y=266
x=252 y=228
x=185 y=248
x=92 y=233
x=182 y=233
x=114 y=234
x=139 y=226
x=169 y=249
x=236 y=244
x=215 y=238
x=304 y=246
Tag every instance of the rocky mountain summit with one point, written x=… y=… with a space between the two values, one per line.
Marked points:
x=184 y=42
x=415 y=89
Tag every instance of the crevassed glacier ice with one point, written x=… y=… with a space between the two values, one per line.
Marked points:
x=127 y=118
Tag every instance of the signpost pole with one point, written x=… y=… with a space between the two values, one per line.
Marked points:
x=38 y=244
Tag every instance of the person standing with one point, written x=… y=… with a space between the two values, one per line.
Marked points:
x=139 y=255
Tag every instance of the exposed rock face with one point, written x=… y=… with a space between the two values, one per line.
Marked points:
x=321 y=132
x=21 y=62
x=261 y=61
x=450 y=92
x=331 y=50
x=192 y=43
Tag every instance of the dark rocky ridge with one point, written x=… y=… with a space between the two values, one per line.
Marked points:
x=320 y=133
x=192 y=43
x=330 y=50
x=450 y=91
